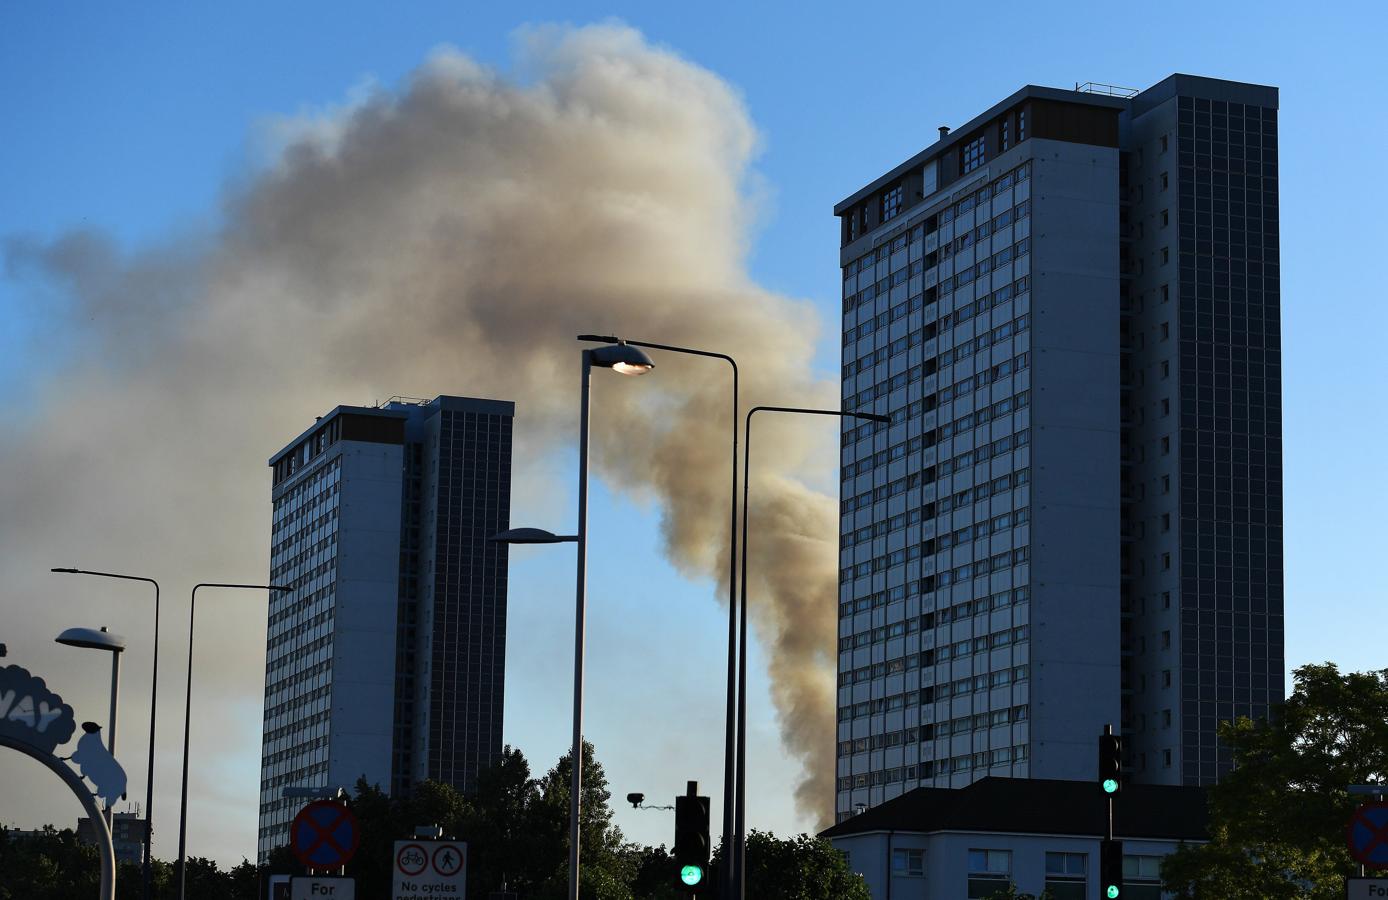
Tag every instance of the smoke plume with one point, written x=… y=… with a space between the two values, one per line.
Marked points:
x=456 y=231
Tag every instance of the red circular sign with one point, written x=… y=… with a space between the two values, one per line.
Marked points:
x=412 y=860
x=324 y=835
x=1367 y=834
x=448 y=860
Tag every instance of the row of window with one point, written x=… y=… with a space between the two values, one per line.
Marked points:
x=958 y=612
x=885 y=526
x=856 y=218
x=1010 y=216
x=981 y=644
x=956 y=391
x=1020 y=400
x=983 y=759
x=929 y=694
x=996 y=563
x=931 y=731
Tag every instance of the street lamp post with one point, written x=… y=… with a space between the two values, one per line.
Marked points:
x=740 y=876
x=145 y=865
x=730 y=727
x=623 y=359
x=187 y=720
x=101 y=639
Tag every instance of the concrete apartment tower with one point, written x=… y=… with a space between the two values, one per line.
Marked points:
x=387 y=660
x=1070 y=309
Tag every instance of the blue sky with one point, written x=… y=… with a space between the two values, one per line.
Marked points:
x=133 y=119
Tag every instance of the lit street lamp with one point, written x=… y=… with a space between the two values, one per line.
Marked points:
x=730 y=727
x=739 y=853
x=187 y=720
x=145 y=873
x=623 y=359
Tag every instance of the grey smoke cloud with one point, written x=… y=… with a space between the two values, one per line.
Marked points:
x=454 y=233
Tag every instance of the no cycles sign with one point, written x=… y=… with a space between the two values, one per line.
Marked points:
x=428 y=870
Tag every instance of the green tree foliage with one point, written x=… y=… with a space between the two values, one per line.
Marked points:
x=799 y=868
x=55 y=865
x=517 y=829
x=1277 y=821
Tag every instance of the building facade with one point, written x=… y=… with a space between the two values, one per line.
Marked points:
x=387 y=659
x=1036 y=835
x=1074 y=516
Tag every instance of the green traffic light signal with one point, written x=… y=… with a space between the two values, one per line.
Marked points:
x=1112 y=891
x=692 y=875
x=1111 y=787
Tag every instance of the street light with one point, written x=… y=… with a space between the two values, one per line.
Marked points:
x=623 y=359
x=146 y=888
x=101 y=639
x=729 y=738
x=740 y=852
x=187 y=720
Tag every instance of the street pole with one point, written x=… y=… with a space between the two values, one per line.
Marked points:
x=730 y=727
x=580 y=603
x=187 y=721
x=739 y=886
x=115 y=705
x=146 y=873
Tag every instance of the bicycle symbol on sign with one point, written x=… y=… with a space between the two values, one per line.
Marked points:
x=412 y=860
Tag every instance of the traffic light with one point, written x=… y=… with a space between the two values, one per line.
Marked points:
x=691 y=842
x=1110 y=763
x=1110 y=869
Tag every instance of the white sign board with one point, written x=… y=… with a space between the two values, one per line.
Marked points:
x=429 y=870
x=313 y=888
x=1366 y=889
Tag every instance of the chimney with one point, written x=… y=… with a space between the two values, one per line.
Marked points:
x=944 y=130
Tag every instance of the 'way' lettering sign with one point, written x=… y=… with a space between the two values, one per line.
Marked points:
x=32 y=714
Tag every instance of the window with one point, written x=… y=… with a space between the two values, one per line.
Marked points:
x=1006 y=132
x=1166 y=635
x=1065 y=875
x=1163 y=143
x=1165 y=255
x=891 y=203
x=1165 y=181
x=1142 y=877
x=989 y=871
x=1022 y=125
x=1166 y=758
x=1165 y=217
x=972 y=156
x=908 y=863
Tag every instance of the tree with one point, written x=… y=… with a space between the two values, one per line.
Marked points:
x=799 y=868
x=1277 y=819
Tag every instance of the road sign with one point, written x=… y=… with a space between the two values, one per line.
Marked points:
x=279 y=887
x=314 y=888
x=429 y=870
x=324 y=835
x=1367 y=834
x=1366 y=889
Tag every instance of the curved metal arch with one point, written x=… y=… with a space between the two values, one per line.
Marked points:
x=103 y=835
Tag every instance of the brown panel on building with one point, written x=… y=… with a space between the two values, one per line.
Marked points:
x=1073 y=122
x=373 y=429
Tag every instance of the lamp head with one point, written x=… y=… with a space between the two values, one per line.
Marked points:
x=530 y=536
x=621 y=358
x=92 y=639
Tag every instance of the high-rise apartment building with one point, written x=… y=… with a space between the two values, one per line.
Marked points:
x=1069 y=307
x=387 y=660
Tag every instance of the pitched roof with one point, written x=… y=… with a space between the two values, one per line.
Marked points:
x=1038 y=806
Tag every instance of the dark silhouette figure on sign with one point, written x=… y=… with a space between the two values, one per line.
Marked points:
x=98 y=766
